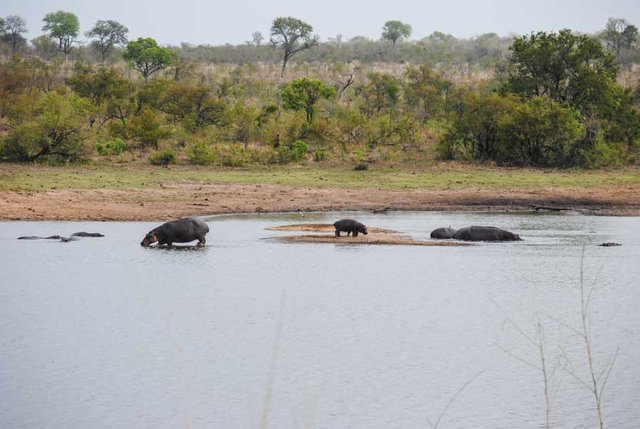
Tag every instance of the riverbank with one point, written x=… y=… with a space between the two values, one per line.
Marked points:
x=140 y=192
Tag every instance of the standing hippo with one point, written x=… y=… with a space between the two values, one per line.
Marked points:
x=443 y=233
x=485 y=233
x=349 y=226
x=177 y=231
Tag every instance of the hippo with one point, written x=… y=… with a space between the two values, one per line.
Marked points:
x=87 y=234
x=485 y=233
x=443 y=233
x=36 y=237
x=349 y=226
x=177 y=231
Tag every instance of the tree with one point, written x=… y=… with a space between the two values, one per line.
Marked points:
x=619 y=34
x=382 y=92
x=14 y=26
x=54 y=130
x=106 y=35
x=304 y=93
x=63 y=27
x=145 y=56
x=395 y=30
x=568 y=68
x=426 y=91
x=293 y=36
x=257 y=38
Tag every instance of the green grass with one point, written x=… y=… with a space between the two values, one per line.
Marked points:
x=15 y=177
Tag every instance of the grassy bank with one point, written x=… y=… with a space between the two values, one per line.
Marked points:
x=14 y=177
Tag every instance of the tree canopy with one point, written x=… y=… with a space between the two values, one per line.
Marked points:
x=618 y=35
x=292 y=36
x=63 y=27
x=304 y=93
x=145 y=56
x=106 y=35
x=395 y=30
x=568 y=68
x=14 y=26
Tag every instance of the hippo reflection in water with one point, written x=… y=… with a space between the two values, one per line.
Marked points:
x=177 y=231
x=475 y=233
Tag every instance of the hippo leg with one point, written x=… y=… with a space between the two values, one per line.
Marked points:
x=348 y=233
x=201 y=242
x=355 y=233
x=337 y=233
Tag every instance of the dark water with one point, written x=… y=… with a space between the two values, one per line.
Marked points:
x=250 y=332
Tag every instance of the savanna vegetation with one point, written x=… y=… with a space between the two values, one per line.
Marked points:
x=543 y=100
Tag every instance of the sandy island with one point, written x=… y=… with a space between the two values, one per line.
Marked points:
x=375 y=236
x=180 y=199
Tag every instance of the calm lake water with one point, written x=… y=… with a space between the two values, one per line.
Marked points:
x=251 y=332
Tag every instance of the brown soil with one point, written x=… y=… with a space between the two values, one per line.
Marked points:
x=181 y=199
x=375 y=236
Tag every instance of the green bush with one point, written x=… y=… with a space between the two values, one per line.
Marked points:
x=298 y=150
x=163 y=158
x=112 y=147
x=320 y=155
x=200 y=153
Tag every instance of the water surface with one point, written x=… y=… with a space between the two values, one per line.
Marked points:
x=251 y=332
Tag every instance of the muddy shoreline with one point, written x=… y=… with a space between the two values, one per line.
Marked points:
x=193 y=199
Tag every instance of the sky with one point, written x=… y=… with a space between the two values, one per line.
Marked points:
x=216 y=22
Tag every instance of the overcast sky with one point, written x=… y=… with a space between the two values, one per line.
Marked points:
x=218 y=22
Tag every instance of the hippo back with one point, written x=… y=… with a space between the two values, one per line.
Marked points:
x=181 y=230
x=443 y=233
x=485 y=233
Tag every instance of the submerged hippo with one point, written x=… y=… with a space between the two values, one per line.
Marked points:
x=349 y=226
x=177 y=231
x=485 y=233
x=87 y=234
x=443 y=233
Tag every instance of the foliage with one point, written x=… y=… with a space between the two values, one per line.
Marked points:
x=163 y=158
x=426 y=92
x=12 y=29
x=568 y=68
x=200 y=153
x=111 y=147
x=618 y=34
x=395 y=30
x=304 y=93
x=63 y=27
x=146 y=57
x=106 y=35
x=292 y=36
x=54 y=130
x=381 y=94
x=146 y=128
x=511 y=131
x=194 y=105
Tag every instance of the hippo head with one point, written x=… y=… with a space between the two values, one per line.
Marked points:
x=149 y=239
x=363 y=230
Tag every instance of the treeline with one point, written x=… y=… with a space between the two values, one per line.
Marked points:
x=549 y=100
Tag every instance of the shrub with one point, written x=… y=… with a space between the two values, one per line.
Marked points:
x=200 y=153
x=361 y=166
x=112 y=147
x=320 y=155
x=163 y=158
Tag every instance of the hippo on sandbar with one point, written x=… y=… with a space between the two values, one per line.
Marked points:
x=350 y=226
x=177 y=231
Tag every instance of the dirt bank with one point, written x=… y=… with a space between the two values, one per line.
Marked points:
x=180 y=199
